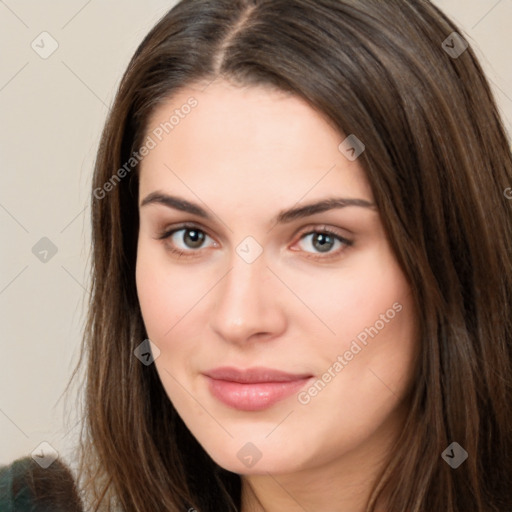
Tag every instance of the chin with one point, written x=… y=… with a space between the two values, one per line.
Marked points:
x=255 y=455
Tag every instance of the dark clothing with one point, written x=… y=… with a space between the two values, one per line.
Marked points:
x=27 y=487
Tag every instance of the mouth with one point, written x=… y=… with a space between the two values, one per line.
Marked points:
x=253 y=389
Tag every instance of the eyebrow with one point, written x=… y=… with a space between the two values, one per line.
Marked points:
x=282 y=217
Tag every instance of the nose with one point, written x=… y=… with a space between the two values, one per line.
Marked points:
x=247 y=305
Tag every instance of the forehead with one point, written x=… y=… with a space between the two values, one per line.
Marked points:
x=246 y=143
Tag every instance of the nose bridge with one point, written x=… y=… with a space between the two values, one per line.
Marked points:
x=245 y=302
x=244 y=286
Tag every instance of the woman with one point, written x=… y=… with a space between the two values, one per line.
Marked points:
x=301 y=267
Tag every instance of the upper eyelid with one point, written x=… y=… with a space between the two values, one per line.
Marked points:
x=312 y=228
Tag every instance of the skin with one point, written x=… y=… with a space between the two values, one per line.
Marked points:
x=244 y=155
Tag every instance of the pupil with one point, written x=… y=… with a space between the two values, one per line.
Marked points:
x=194 y=238
x=323 y=242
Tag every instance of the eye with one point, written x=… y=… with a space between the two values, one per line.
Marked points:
x=187 y=239
x=323 y=242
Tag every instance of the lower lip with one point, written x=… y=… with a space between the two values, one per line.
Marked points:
x=253 y=397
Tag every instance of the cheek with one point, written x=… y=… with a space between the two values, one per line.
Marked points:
x=366 y=369
x=166 y=298
x=368 y=292
x=371 y=355
x=166 y=294
x=153 y=299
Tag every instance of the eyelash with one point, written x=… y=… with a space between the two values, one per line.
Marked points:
x=317 y=230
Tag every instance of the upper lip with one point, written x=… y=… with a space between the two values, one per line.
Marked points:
x=253 y=375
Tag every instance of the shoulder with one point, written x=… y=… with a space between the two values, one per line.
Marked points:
x=13 y=494
x=26 y=487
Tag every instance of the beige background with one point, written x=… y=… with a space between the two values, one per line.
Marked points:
x=52 y=111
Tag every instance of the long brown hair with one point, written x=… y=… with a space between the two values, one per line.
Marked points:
x=438 y=162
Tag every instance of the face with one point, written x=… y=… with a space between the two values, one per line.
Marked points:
x=285 y=326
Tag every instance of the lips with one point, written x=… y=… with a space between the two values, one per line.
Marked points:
x=253 y=389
